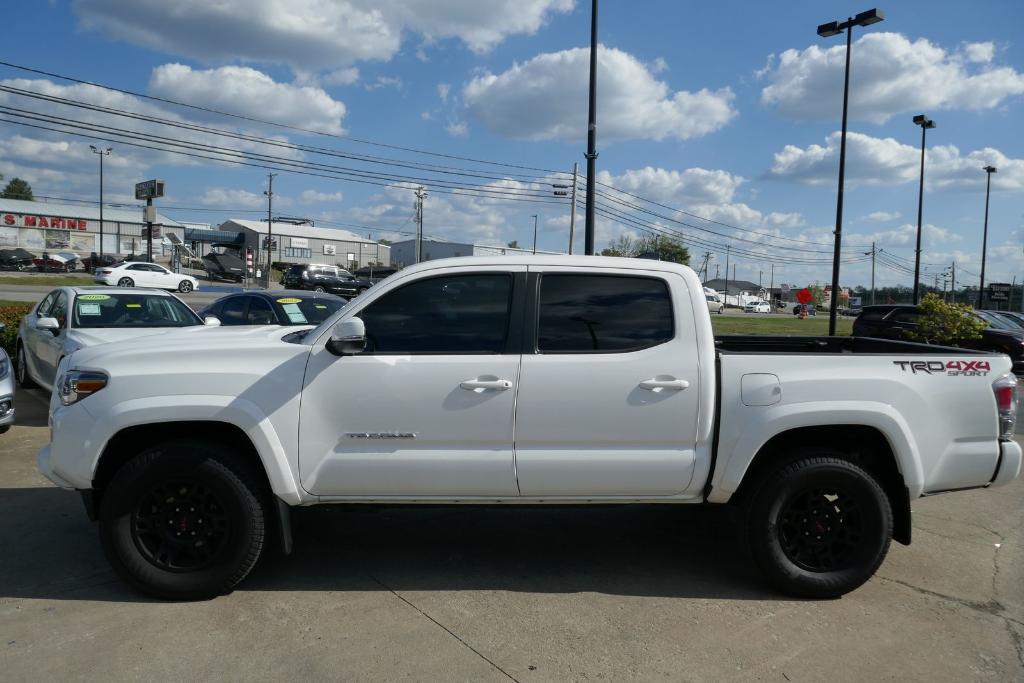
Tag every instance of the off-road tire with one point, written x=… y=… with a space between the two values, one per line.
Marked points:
x=170 y=469
x=856 y=527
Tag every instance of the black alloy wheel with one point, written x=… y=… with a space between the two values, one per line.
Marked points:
x=818 y=526
x=185 y=286
x=184 y=520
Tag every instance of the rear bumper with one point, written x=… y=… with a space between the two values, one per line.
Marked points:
x=1008 y=468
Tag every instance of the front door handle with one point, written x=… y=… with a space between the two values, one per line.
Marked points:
x=486 y=384
x=655 y=384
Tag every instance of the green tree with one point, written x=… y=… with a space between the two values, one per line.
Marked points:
x=17 y=189
x=664 y=249
x=945 y=323
x=385 y=242
x=514 y=244
x=624 y=245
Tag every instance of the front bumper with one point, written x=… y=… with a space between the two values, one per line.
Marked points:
x=6 y=418
x=1008 y=468
x=45 y=465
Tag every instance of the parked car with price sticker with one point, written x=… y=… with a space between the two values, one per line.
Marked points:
x=544 y=380
x=73 y=318
x=279 y=307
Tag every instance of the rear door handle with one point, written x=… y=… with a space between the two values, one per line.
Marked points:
x=653 y=384
x=485 y=384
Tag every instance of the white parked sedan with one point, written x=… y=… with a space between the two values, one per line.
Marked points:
x=71 y=318
x=757 y=307
x=141 y=274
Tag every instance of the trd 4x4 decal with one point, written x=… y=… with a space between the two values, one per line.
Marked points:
x=964 y=368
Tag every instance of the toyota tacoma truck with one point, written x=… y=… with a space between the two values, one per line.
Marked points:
x=521 y=380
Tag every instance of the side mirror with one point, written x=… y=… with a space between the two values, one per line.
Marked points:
x=347 y=338
x=211 y=321
x=50 y=324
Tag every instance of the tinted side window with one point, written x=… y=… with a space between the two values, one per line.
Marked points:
x=260 y=312
x=602 y=313
x=909 y=315
x=457 y=314
x=233 y=312
x=873 y=314
x=60 y=310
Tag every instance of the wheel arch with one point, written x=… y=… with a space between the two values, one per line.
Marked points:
x=864 y=445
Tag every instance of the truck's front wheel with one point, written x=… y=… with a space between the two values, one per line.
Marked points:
x=183 y=521
x=819 y=527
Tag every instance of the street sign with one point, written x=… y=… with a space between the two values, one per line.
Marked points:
x=149 y=189
x=999 y=291
x=805 y=296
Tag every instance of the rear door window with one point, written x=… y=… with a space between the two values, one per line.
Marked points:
x=602 y=313
x=233 y=312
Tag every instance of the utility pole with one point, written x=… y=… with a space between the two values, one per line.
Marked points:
x=562 y=191
x=760 y=275
x=727 y=276
x=534 y=234
x=952 y=289
x=707 y=259
x=591 y=155
x=925 y=123
x=872 y=252
x=270 y=225
x=420 y=196
x=717 y=271
x=771 y=286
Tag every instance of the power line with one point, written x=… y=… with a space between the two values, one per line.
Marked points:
x=265 y=122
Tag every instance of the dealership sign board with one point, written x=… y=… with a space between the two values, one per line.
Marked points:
x=999 y=291
x=149 y=189
x=42 y=221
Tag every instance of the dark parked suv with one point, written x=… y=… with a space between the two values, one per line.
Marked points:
x=319 y=277
x=894 y=321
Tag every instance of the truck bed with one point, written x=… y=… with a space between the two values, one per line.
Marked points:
x=751 y=344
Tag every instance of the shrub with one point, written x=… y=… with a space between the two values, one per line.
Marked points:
x=945 y=323
x=11 y=316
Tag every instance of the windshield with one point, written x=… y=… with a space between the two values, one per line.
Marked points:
x=132 y=310
x=307 y=311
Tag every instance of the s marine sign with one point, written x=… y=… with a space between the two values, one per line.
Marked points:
x=954 y=368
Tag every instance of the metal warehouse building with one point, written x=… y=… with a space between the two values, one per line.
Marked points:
x=302 y=243
x=404 y=253
x=45 y=226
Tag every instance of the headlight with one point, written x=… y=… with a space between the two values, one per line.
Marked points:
x=77 y=384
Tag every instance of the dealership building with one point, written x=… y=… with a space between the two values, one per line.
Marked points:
x=45 y=226
x=404 y=253
x=301 y=242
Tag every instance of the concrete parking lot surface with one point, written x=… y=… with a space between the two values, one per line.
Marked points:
x=508 y=593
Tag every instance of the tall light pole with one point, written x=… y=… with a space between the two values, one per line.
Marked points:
x=925 y=123
x=534 y=234
x=588 y=240
x=102 y=153
x=989 y=170
x=269 y=192
x=833 y=28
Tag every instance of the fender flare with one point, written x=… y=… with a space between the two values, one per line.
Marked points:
x=733 y=465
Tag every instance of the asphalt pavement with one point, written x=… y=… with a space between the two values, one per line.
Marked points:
x=499 y=593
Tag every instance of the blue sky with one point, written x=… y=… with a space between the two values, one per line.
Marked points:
x=726 y=110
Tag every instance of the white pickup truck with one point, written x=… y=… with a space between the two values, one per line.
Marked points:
x=532 y=380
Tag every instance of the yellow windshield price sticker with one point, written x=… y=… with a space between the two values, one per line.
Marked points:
x=133 y=305
x=93 y=297
x=289 y=301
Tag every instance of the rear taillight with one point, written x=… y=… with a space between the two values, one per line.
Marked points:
x=1005 y=390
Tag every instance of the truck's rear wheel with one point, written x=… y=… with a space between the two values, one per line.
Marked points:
x=183 y=521
x=819 y=527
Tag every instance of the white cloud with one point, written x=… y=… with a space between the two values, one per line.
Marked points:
x=882 y=216
x=659 y=65
x=246 y=91
x=426 y=115
x=385 y=82
x=457 y=129
x=313 y=196
x=886 y=161
x=311 y=33
x=346 y=76
x=442 y=91
x=691 y=186
x=232 y=199
x=545 y=98
x=980 y=53
x=891 y=75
